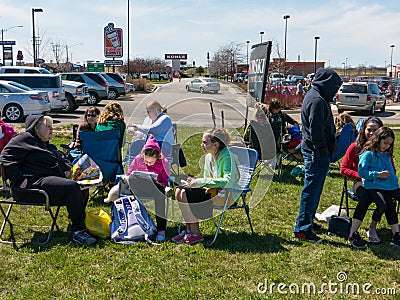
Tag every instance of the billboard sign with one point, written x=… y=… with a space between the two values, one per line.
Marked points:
x=176 y=56
x=258 y=70
x=113 y=46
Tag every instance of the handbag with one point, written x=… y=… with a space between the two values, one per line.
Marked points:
x=339 y=226
x=97 y=222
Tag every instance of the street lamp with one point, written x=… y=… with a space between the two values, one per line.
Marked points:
x=285 y=17
x=33 y=33
x=391 y=61
x=261 y=34
x=344 y=69
x=2 y=39
x=128 y=71
x=247 y=56
x=315 y=57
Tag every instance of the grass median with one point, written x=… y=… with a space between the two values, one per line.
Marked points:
x=270 y=264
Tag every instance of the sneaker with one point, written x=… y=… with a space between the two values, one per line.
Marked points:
x=308 y=236
x=395 y=239
x=192 y=238
x=316 y=226
x=83 y=238
x=373 y=238
x=179 y=237
x=356 y=241
x=160 y=236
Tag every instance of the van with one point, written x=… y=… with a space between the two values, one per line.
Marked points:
x=23 y=70
x=51 y=83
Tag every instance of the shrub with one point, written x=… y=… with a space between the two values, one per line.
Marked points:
x=142 y=84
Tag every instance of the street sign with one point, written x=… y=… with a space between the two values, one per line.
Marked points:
x=10 y=43
x=109 y=62
x=95 y=67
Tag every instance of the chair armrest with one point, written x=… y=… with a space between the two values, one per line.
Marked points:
x=29 y=192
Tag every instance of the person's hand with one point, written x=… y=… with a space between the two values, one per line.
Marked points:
x=23 y=184
x=191 y=181
x=383 y=174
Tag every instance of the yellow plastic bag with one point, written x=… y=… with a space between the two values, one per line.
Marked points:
x=97 y=222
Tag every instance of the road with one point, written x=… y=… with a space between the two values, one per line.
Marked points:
x=192 y=108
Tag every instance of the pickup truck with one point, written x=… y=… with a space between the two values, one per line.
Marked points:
x=76 y=94
x=155 y=76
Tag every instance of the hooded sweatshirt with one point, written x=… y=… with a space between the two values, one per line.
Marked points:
x=161 y=166
x=27 y=156
x=318 y=128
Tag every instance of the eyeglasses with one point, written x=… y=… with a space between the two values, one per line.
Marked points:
x=91 y=115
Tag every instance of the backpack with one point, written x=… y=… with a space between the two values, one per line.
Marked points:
x=130 y=221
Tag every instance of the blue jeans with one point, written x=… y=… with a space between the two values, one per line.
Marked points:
x=316 y=169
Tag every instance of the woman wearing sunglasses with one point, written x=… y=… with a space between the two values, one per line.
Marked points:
x=88 y=124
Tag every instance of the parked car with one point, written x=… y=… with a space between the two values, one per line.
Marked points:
x=246 y=79
x=17 y=102
x=129 y=87
x=294 y=78
x=203 y=85
x=276 y=76
x=97 y=85
x=154 y=76
x=76 y=93
x=360 y=96
x=51 y=83
x=238 y=77
x=23 y=70
x=116 y=85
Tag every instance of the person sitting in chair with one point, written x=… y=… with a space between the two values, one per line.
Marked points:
x=89 y=123
x=31 y=161
x=112 y=117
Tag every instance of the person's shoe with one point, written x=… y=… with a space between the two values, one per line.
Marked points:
x=179 y=237
x=316 y=226
x=395 y=239
x=373 y=238
x=160 y=236
x=192 y=238
x=356 y=241
x=83 y=238
x=308 y=236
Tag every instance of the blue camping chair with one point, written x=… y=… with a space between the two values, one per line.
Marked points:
x=247 y=163
x=103 y=148
x=346 y=137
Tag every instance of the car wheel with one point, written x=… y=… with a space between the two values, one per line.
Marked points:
x=71 y=103
x=215 y=92
x=340 y=111
x=113 y=94
x=372 y=110
x=383 y=108
x=201 y=90
x=188 y=88
x=13 y=113
x=93 y=99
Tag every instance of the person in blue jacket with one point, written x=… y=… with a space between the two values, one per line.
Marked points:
x=318 y=144
x=380 y=180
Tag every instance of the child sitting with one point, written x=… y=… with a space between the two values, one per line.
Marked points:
x=149 y=160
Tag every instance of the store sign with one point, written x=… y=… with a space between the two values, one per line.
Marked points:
x=113 y=46
x=175 y=56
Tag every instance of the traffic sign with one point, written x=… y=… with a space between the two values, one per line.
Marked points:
x=10 y=43
x=110 y=62
x=95 y=67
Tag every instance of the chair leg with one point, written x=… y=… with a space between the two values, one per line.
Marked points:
x=218 y=228
x=5 y=221
x=247 y=210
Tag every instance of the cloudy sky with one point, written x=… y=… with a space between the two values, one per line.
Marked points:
x=359 y=30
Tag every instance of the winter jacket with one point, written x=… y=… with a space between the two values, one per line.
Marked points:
x=27 y=156
x=318 y=128
x=369 y=166
x=161 y=128
x=161 y=167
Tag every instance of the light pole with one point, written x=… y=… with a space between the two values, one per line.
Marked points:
x=247 y=56
x=128 y=71
x=2 y=39
x=69 y=47
x=285 y=17
x=33 y=33
x=315 y=57
x=391 y=61
x=261 y=34
x=344 y=69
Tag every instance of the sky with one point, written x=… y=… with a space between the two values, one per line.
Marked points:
x=360 y=30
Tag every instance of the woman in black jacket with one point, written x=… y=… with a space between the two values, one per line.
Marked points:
x=31 y=161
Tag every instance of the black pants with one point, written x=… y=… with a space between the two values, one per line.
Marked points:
x=385 y=205
x=67 y=193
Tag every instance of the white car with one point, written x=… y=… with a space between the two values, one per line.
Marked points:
x=129 y=87
x=18 y=101
x=203 y=85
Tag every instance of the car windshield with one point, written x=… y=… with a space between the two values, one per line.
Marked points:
x=20 y=86
x=209 y=80
x=354 y=88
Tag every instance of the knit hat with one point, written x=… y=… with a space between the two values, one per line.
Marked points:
x=151 y=143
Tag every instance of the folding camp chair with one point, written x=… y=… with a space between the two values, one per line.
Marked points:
x=346 y=137
x=135 y=148
x=24 y=197
x=247 y=163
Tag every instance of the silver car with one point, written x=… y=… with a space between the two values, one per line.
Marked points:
x=203 y=85
x=116 y=85
x=18 y=101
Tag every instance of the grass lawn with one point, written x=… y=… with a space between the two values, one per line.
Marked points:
x=270 y=264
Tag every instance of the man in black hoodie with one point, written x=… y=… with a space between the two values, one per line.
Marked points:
x=318 y=131
x=31 y=161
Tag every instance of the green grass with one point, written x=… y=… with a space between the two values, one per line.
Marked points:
x=231 y=269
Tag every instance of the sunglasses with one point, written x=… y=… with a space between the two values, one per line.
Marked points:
x=92 y=115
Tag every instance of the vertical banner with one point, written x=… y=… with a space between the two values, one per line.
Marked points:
x=258 y=70
x=113 y=46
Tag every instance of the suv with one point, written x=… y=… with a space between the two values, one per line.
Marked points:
x=365 y=96
x=51 y=83
x=116 y=85
x=97 y=85
x=23 y=70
